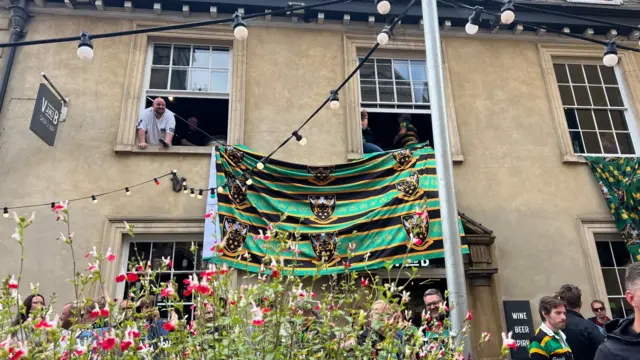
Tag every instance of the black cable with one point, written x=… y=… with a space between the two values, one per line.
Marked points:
x=170 y=27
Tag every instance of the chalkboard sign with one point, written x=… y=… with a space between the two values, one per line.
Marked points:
x=520 y=323
x=46 y=114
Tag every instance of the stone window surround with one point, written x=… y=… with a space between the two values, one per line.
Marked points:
x=133 y=90
x=589 y=227
x=354 y=44
x=630 y=82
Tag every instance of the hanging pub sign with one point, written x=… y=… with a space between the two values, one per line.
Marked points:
x=519 y=322
x=46 y=115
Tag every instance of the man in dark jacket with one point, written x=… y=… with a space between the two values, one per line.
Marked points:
x=583 y=336
x=623 y=335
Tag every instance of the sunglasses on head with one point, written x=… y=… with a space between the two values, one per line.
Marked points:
x=598 y=309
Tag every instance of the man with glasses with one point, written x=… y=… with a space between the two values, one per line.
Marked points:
x=600 y=318
x=623 y=335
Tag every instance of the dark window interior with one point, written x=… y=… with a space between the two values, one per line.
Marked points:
x=212 y=114
x=384 y=127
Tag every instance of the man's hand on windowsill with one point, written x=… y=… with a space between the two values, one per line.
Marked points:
x=143 y=145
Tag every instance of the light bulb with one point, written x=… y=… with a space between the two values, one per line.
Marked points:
x=85 y=47
x=193 y=193
x=185 y=189
x=471 y=29
x=334 y=104
x=171 y=98
x=199 y=197
x=94 y=199
x=610 y=60
x=241 y=32
x=127 y=191
x=383 y=38
x=249 y=182
x=220 y=189
x=5 y=213
x=260 y=165
x=303 y=141
x=383 y=7
x=507 y=17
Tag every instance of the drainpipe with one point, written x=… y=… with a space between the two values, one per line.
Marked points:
x=19 y=19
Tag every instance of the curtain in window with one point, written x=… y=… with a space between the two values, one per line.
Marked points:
x=619 y=180
x=358 y=216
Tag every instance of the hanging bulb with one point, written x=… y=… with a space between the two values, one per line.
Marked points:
x=474 y=21
x=384 y=36
x=174 y=171
x=185 y=189
x=334 y=100
x=507 y=13
x=610 y=58
x=239 y=27
x=220 y=189
x=5 y=213
x=127 y=191
x=200 y=194
x=247 y=179
x=85 y=47
x=94 y=199
x=156 y=181
x=260 y=165
x=193 y=193
x=53 y=205
x=383 y=6
x=299 y=138
x=212 y=193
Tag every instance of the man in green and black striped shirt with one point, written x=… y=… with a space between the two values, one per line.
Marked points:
x=549 y=342
x=408 y=134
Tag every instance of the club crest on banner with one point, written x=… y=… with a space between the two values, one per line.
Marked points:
x=321 y=175
x=419 y=227
x=235 y=157
x=234 y=233
x=630 y=234
x=325 y=247
x=237 y=191
x=404 y=159
x=410 y=187
x=322 y=207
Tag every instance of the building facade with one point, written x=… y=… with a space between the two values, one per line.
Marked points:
x=523 y=106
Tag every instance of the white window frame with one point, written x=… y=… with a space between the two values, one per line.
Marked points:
x=364 y=104
x=626 y=108
x=599 y=2
x=616 y=267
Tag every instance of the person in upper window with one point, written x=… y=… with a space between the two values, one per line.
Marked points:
x=156 y=125
x=408 y=134
x=368 y=145
x=192 y=136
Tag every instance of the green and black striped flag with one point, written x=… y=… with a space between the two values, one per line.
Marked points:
x=370 y=204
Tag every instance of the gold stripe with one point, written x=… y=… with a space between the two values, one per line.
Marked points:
x=538 y=351
x=546 y=338
x=562 y=351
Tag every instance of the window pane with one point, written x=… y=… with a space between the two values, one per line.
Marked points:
x=139 y=252
x=576 y=141
x=199 y=80
x=608 y=143
x=575 y=73
x=615 y=99
x=183 y=258
x=617 y=307
x=160 y=249
x=386 y=94
x=618 y=120
x=572 y=118
x=566 y=95
x=625 y=144
x=367 y=71
x=159 y=79
x=220 y=59
x=621 y=255
x=561 y=73
x=161 y=54
x=418 y=71
x=586 y=120
x=200 y=57
x=384 y=69
x=421 y=93
x=219 y=81
x=608 y=75
x=602 y=119
x=404 y=94
x=401 y=69
x=368 y=93
x=582 y=96
x=593 y=76
x=179 y=79
x=604 y=254
x=591 y=142
x=181 y=55
x=597 y=96
x=611 y=282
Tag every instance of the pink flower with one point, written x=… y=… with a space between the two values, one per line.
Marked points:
x=485 y=337
x=125 y=344
x=209 y=215
x=469 y=316
x=93 y=253
x=95 y=313
x=94 y=267
x=110 y=256
x=167 y=262
x=265 y=237
x=209 y=273
x=169 y=326
x=80 y=350
x=132 y=277
x=257 y=315
x=17 y=353
x=416 y=240
x=258 y=321
x=508 y=342
x=13 y=283
x=133 y=333
x=105 y=312
x=224 y=270
x=203 y=288
x=107 y=343
x=459 y=356
x=364 y=282
x=46 y=324
x=59 y=208
x=168 y=291
x=121 y=277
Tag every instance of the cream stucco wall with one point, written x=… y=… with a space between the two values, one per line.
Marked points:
x=512 y=180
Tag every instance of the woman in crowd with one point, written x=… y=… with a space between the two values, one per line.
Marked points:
x=33 y=306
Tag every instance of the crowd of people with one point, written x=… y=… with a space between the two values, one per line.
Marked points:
x=566 y=335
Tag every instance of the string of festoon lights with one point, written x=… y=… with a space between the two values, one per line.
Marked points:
x=94 y=197
x=508 y=16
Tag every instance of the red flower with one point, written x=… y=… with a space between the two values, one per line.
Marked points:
x=258 y=321
x=313 y=295
x=266 y=310
x=317 y=308
x=13 y=283
x=125 y=344
x=203 y=288
x=275 y=273
x=110 y=256
x=134 y=333
x=469 y=316
x=132 y=277
x=209 y=214
x=169 y=326
x=232 y=303
x=17 y=353
x=224 y=270
x=108 y=343
x=105 y=312
x=364 y=282
x=121 y=277
x=140 y=267
x=168 y=291
x=43 y=324
x=95 y=312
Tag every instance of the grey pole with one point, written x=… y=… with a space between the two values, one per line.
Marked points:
x=444 y=166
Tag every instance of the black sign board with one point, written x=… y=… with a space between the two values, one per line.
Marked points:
x=46 y=113
x=520 y=323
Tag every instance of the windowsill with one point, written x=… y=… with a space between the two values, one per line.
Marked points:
x=161 y=150
x=574 y=159
x=456 y=158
